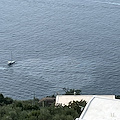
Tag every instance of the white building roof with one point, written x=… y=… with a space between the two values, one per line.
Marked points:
x=65 y=99
x=100 y=108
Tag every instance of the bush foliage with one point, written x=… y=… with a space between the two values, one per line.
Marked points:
x=26 y=110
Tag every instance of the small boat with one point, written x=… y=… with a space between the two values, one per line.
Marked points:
x=11 y=62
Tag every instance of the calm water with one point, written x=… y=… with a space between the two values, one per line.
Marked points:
x=59 y=43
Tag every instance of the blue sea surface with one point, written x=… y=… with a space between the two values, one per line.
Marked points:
x=59 y=43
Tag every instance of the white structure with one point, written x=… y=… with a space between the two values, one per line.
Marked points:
x=100 y=108
x=65 y=99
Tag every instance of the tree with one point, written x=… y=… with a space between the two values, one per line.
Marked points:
x=71 y=91
x=78 y=105
x=44 y=114
x=8 y=100
x=4 y=100
x=13 y=115
x=2 y=112
x=1 y=98
x=117 y=96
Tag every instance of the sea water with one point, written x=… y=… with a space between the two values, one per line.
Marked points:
x=59 y=43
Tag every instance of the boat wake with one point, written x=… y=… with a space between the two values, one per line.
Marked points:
x=110 y=3
x=2 y=68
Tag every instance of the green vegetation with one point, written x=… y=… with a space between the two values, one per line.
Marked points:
x=71 y=91
x=117 y=96
x=78 y=105
x=31 y=110
x=5 y=100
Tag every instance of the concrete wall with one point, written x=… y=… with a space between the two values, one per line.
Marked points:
x=65 y=99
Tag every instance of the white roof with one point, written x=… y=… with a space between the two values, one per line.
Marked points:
x=100 y=108
x=65 y=99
